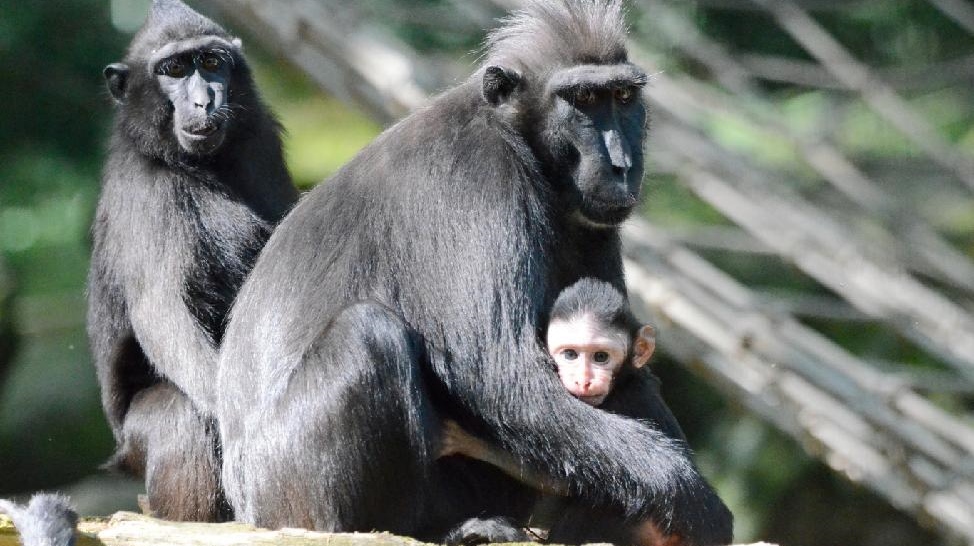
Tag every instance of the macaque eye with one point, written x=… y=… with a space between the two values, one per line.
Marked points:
x=601 y=357
x=174 y=68
x=211 y=63
x=569 y=354
x=624 y=94
x=584 y=96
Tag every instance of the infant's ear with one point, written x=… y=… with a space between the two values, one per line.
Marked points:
x=643 y=346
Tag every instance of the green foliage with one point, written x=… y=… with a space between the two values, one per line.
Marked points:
x=321 y=133
x=55 y=120
x=51 y=56
x=670 y=203
x=55 y=116
x=421 y=24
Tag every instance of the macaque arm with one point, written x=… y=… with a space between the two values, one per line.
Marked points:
x=457 y=441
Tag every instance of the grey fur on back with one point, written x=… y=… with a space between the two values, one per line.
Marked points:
x=47 y=520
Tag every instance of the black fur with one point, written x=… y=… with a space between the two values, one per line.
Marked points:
x=636 y=394
x=461 y=224
x=499 y=83
x=175 y=233
x=600 y=299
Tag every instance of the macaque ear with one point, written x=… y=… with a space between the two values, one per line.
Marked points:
x=116 y=77
x=643 y=346
x=499 y=84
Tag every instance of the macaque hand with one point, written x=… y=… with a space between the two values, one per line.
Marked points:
x=648 y=534
x=456 y=441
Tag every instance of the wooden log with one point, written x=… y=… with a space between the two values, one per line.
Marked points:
x=131 y=529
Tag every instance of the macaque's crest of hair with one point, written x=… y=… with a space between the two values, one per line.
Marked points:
x=548 y=34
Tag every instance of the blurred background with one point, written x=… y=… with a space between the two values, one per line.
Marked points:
x=806 y=247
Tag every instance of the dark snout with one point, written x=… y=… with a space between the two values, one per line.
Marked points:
x=613 y=198
x=610 y=183
x=620 y=185
x=611 y=206
x=199 y=127
x=203 y=99
x=200 y=95
x=619 y=154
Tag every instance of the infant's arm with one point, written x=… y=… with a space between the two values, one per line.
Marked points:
x=457 y=441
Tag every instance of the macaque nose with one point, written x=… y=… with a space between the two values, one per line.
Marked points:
x=199 y=92
x=583 y=381
x=619 y=154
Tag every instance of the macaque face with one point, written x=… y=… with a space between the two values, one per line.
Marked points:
x=588 y=356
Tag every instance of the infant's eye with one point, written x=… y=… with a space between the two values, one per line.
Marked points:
x=601 y=357
x=569 y=354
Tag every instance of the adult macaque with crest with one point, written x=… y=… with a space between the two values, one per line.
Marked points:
x=194 y=184
x=412 y=286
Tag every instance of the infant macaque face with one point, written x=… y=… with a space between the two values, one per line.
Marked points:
x=588 y=356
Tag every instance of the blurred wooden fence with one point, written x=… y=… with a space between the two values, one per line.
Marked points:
x=857 y=236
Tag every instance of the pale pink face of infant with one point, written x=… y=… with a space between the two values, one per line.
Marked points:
x=590 y=354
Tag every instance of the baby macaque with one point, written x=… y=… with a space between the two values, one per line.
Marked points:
x=594 y=340
x=595 y=343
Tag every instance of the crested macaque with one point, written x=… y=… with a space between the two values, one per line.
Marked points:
x=194 y=183
x=401 y=291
